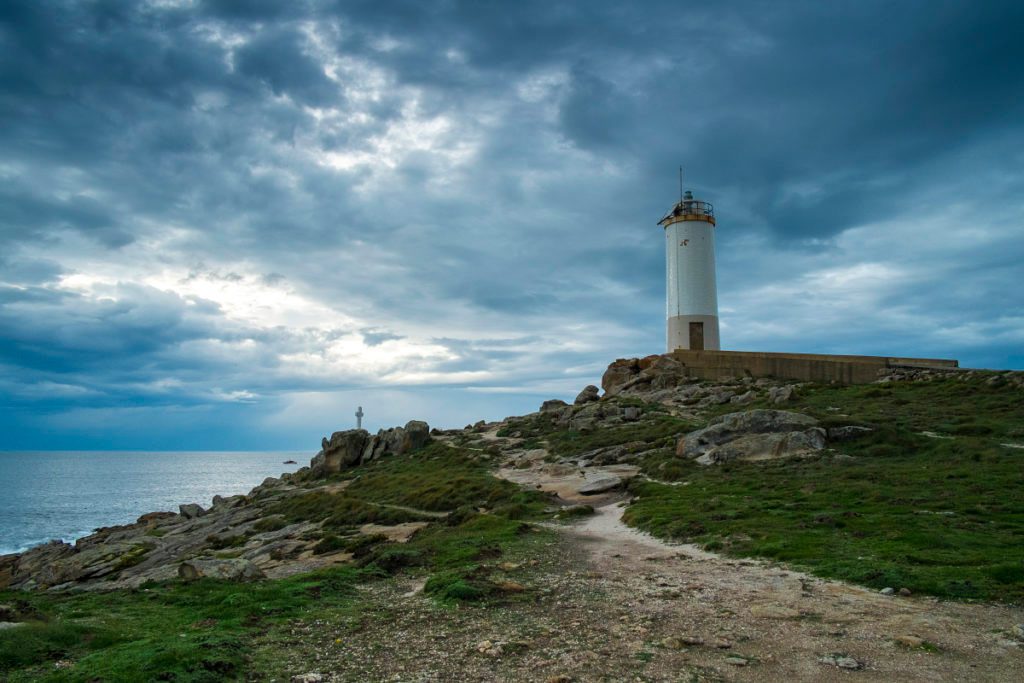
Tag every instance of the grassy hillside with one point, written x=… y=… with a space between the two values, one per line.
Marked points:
x=212 y=630
x=941 y=513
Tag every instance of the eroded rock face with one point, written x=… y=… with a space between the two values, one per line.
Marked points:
x=639 y=375
x=753 y=435
x=343 y=449
x=619 y=374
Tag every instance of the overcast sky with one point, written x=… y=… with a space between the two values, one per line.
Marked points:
x=224 y=225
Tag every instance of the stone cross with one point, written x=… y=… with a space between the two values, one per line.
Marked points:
x=359 y=418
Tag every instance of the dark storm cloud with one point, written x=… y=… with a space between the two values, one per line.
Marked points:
x=221 y=204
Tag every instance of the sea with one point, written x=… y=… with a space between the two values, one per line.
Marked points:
x=66 y=495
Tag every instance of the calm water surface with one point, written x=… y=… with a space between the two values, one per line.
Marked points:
x=67 y=494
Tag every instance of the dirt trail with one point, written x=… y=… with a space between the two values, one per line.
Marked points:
x=784 y=623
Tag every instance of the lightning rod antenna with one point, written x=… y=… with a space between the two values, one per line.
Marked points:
x=680 y=184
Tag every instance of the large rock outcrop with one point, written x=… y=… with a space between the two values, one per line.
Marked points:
x=753 y=435
x=354 y=447
x=651 y=373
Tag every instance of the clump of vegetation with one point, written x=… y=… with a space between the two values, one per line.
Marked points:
x=660 y=431
x=133 y=557
x=270 y=523
x=220 y=542
x=938 y=516
x=437 y=478
x=339 y=511
x=41 y=641
x=574 y=512
x=461 y=586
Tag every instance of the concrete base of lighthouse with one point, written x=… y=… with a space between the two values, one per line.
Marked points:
x=693 y=333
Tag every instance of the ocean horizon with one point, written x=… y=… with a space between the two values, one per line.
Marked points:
x=66 y=495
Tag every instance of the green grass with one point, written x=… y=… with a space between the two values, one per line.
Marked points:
x=180 y=632
x=213 y=630
x=661 y=430
x=437 y=478
x=939 y=516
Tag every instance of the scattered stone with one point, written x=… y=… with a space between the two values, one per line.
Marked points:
x=396 y=533
x=744 y=399
x=736 y=661
x=717 y=398
x=692 y=640
x=841 y=661
x=631 y=413
x=589 y=394
x=510 y=587
x=308 y=678
x=887 y=591
x=600 y=485
x=4 y=625
x=909 y=641
x=488 y=647
x=672 y=643
x=905 y=592
x=848 y=663
x=191 y=510
x=721 y=644
x=559 y=679
x=1018 y=631
x=782 y=394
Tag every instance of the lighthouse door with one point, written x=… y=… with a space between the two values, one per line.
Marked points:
x=696 y=336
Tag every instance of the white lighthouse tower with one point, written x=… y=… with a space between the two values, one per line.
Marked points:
x=691 y=296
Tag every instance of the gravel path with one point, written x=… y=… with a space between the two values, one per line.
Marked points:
x=758 y=622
